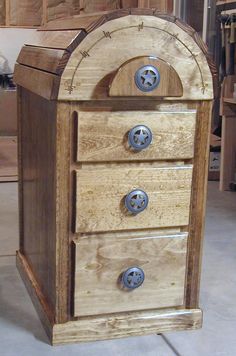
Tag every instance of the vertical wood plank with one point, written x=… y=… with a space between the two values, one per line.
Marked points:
x=20 y=167
x=37 y=189
x=62 y=212
x=198 y=203
x=228 y=152
x=143 y=3
x=7 y=18
x=44 y=10
x=2 y=12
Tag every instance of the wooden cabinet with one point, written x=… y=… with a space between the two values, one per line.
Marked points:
x=114 y=119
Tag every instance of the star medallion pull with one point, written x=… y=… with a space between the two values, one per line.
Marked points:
x=140 y=137
x=133 y=278
x=147 y=78
x=136 y=201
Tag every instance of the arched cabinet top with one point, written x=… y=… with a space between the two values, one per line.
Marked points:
x=88 y=58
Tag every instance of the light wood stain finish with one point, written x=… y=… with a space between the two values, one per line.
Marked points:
x=198 y=204
x=103 y=209
x=76 y=169
x=88 y=71
x=103 y=135
x=41 y=83
x=107 y=326
x=127 y=324
x=66 y=40
x=123 y=83
x=100 y=263
x=46 y=59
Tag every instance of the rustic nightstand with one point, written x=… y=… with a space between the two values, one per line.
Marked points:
x=114 y=120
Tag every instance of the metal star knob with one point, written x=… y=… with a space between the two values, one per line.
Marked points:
x=136 y=201
x=140 y=137
x=133 y=278
x=147 y=78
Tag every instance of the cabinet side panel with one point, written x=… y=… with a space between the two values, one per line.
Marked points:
x=37 y=144
x=198 y=203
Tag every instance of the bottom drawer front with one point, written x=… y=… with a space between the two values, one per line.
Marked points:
x=101 y=262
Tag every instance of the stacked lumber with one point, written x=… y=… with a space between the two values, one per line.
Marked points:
x=34 y=13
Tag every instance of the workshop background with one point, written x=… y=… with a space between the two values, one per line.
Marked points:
x=20 y=330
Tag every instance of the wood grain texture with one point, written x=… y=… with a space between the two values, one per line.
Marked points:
x=25 y=13
x=127 y=324
x=88 y=70
x=8 y=159
x=98 y=289
x=61 y=9
x=84 y=22
x=20 y=166
x=165 y=6
x=35 y=293
x=2 y=12
x=58 y=40
x=37 y=190
x=46 y=59
x=102 y=208
x=106 y=327
x=90 y=6
x=44 y=158
x=123 y=83
x=41 y=83
x=8 y=110
x=63 y=207
x=228 y=152
x=103 y=135
x=186 y=45
x=198 y=203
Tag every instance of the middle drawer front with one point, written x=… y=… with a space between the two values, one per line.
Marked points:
x=100 y=197
x=103 y=136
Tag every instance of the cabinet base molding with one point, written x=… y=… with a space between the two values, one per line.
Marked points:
x=107 y=326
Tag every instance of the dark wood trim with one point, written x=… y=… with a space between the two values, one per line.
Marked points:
x=20 y=167
x=198 y=203
x=35 y=293
x=63 y=227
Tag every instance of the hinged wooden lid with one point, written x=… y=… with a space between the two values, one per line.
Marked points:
x=75 y=58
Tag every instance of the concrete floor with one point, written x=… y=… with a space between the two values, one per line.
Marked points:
x=21 y=332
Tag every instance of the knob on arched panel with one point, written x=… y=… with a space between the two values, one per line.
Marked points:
x=146 y=76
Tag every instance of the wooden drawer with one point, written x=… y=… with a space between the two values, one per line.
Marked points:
x=101 y=192
x=103 y=136
x=100 y=262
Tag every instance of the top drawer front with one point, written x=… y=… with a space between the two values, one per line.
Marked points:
x=103 y=136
